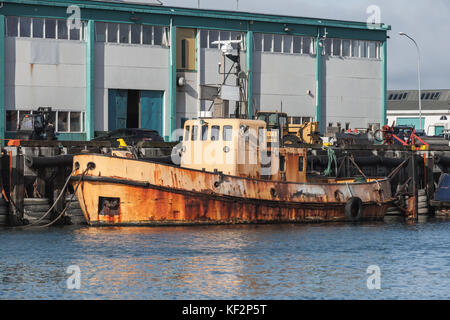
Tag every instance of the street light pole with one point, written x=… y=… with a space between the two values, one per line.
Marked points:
x=418 y=73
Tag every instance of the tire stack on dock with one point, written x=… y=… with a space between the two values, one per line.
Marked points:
x=35 y=208
x=4 y=212
x=394 y=212
x=74 y=211
x=423 y=202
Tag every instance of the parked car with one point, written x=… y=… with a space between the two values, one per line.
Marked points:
x=131 y=136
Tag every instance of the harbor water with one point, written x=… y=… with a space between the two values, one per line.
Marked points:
x=323 y=261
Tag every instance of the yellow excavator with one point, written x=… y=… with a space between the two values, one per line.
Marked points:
x=291 y=134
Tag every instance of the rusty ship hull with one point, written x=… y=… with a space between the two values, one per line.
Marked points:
x=120 y=191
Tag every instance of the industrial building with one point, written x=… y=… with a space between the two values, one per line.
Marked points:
x=404 y=109
x=131 y=65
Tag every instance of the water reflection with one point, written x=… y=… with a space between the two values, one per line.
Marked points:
x=229 y=262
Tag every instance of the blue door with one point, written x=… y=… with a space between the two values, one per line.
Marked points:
x=438 y=130
x=117 y=109
x=152 y=110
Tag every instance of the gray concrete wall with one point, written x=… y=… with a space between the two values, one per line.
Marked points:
x=29 y=85
x=133 y=67
x=285 y=79
x=352 y=91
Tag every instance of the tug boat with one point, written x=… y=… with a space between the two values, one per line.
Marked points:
x=225 y=174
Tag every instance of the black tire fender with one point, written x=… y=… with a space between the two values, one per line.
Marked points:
x=354 y=209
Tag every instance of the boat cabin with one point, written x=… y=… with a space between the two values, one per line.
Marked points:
x=238 y=147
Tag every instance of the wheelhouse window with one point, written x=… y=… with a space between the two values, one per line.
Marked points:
x=301 y=161
x=204 y=136
x=227 y=133
x=186 y=133
x=194 y=133
x=282 y=164
x=215 y=133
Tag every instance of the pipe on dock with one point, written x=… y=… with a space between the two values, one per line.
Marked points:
x=48 y=162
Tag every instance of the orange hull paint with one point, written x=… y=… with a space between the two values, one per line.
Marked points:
x=131 y=192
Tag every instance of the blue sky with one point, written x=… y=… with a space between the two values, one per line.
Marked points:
x=426 y=21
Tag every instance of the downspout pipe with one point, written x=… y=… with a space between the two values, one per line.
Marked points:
x=319 y=81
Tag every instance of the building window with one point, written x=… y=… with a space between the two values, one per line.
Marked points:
x=297 y=44
x=42 y=28
x=346 y=48
x=75 y=122
x=373 y=50
x=63 y=121
x=131 y=34
x=62 y=30
x=38 y=28
x=112 y=31
x=355 y=48
x=267 y=42
x=124 y=33
x=147 y=35
x=363 y=49
x=158 y=36
x=12 y=26
x=25 y=27
x=327 y=44
x=299 y=120
x=352 y=48
x=66 y=121
x=307 y=46
x=213 y=36
x=336 y=47
x=135 y=31
x=100 y=32
x=50 y=29
x=286 y=44
x=277 y=43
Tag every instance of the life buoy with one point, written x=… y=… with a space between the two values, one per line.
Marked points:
x=354 y=209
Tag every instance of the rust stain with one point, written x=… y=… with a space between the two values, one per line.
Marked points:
x=31 y=68
x=157 y=194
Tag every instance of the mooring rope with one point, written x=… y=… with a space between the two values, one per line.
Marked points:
x=69 y=203
x=331 y=159
x=54 y=203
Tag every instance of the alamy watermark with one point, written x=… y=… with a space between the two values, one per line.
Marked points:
x=374 y=280
x=374 y=19
x=74 y=280
x=74 y=20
